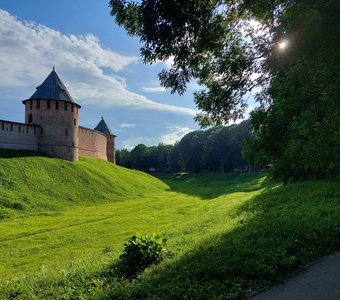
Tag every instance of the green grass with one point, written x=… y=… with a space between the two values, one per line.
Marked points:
x=33 y=184
x=230 y=233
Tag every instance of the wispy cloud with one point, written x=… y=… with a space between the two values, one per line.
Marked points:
x=156 y=89
x=169 y=62
x=29 y=50
x=153 y=87
x=132 y=142
x=127 y=125
x=175 y=134
x=172 y=135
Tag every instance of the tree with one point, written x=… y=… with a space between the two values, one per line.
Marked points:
x=210 y=40
x=162 y=157
x=191 y=151
x=123 y=158
x=138 y=157
x=174 y=159
x=157 y=157
x=216 y=149
x=288 y=48
x=299 y=133
x=145 y=158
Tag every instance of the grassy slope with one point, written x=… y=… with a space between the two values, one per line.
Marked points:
x=230 y=234
x=35 y=184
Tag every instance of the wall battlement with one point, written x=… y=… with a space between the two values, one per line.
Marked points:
x=89 y=131
x=21 y=136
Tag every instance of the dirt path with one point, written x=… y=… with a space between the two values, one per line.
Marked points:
x=321 y=281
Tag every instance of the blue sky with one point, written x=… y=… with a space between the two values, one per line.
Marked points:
x=98 y=62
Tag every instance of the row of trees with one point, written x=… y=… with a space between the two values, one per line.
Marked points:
x=218 y=149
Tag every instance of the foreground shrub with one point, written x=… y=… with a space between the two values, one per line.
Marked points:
x=141 y=251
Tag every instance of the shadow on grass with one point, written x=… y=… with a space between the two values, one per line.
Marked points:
x=211 y=185
x=9 y=153
x=274 y=233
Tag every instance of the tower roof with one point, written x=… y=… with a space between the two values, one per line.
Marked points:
x=103 y=128
x=52 y=88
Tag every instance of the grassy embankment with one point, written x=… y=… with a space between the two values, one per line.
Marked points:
x=63 y=224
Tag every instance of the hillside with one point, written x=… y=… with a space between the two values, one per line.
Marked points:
x=230 y=234
x=31 y=183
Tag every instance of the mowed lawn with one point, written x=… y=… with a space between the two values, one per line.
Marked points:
x=63 y=225
x=31 y=242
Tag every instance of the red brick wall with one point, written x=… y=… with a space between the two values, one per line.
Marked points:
x=18 y=136
x=92 y=143
x=111 y=149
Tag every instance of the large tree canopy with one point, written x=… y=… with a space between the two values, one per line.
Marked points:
x=299 y=132
x=210 y=40
x=286 y=50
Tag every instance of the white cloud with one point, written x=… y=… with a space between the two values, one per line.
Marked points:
x=133 y=142
x=249 y=109
x=156 y=89
x=169 y=62
x=153 y=87
x=29 y=50
x=175 y=134
x=127 y=125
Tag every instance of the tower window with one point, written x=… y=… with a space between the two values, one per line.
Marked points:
x=73 y=144
x=72 y=108
x=38 y=103
x=75 y=121
x=19 y=127
x=52 y=149
x=27 y=129
x=31 y=104
x=41 y=131
x=30 y=118
x=48 y=104
x=65 y=105
x=11 y=126
x=56 y=105
x=2 y=125
x=65 y=131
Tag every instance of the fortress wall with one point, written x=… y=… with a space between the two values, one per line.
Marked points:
x=111 y=149
x=18 y=136
x=92 y=143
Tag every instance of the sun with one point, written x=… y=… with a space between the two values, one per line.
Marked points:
x=283 y=44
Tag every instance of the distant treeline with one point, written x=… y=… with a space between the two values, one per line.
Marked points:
x=218 y=149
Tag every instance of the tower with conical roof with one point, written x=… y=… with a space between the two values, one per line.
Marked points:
x=53 y=109
x=110 y=137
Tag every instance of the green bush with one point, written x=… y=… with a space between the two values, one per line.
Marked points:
x=141 y=251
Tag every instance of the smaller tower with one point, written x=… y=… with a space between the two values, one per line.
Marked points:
x=110 y=137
